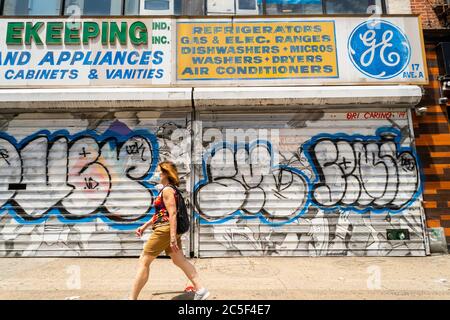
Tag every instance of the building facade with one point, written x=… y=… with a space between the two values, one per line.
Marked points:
x=432 y=129
x=291 y=123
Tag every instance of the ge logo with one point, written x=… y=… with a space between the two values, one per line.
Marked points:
x=379 y=49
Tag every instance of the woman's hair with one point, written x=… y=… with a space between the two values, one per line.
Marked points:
x=169 y=168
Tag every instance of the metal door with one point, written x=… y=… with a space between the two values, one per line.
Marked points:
x=311 y=183
x=79 y=184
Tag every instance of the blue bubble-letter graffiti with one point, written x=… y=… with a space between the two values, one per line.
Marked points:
x=363 y=173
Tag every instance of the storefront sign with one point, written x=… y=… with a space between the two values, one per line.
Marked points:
x=85 y=53
x=344 y=50
x=257 y=50
x=149 y=52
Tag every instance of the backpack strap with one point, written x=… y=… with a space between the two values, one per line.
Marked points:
x=169 y=185
x=173 y=187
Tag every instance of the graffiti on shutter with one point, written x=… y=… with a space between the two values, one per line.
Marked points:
x=83 y=191
x=333 y=194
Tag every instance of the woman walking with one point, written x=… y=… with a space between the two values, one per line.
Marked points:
x=164 y=236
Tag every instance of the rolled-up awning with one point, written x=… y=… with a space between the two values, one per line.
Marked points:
x=223 y=98
x=304 y=97
x=95 y=98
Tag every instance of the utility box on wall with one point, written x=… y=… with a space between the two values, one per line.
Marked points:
x=438 y=243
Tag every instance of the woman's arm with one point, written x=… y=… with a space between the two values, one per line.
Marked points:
x=171 y=206
x=141 y=229
x=147 y=224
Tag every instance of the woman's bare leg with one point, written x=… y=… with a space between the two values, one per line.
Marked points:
x=188 y=268
x=142 y=274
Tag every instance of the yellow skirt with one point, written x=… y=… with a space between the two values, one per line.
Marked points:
x=160 y=240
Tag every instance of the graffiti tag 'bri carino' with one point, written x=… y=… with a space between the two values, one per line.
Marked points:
x=352 y=172
x=240 y=179
x=78 y=177
x=363 y=173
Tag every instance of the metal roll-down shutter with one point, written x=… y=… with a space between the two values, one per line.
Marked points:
x=308 y=183
x=79 y=183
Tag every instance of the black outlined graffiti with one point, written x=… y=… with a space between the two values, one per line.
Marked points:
x=243 y=180
x=175 y=143
x=137 y=149
x=361 y=173
x=106 y=231
x=346 y=229
x=78 y=176
x=91 y=184
x=4 y=155
x=84 y=153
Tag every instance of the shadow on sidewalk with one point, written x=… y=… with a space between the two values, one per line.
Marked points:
x=182 y=296
x=185 y=296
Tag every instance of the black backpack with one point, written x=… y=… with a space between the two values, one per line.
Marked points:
x=182 y=213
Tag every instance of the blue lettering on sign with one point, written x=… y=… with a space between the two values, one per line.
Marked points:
x=379 y=49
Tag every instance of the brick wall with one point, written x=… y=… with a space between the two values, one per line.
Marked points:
x=425 y=9
x=432 y=132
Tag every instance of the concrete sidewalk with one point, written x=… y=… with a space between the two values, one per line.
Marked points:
x=231 y=278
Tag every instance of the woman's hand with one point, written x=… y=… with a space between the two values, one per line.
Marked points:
x=174 y=245
x=140 y=231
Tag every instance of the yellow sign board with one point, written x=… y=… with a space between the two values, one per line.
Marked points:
x=244 y=50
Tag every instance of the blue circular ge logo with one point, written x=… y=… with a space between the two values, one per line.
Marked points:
x=379 y=49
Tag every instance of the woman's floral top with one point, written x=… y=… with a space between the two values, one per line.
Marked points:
x=161 y=215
